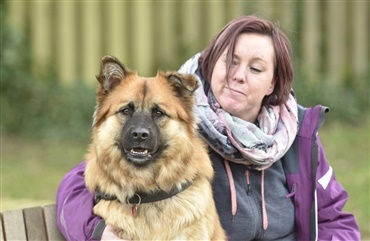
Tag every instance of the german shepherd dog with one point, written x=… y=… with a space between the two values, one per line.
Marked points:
x=147 y=166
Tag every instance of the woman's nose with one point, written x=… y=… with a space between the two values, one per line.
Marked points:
x=239 y=75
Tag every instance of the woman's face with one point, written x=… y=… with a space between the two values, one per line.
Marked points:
x=251 y=76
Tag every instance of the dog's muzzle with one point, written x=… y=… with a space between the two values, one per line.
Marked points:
x=140 y=139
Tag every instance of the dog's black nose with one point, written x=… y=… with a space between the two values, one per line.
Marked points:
x=140 y=133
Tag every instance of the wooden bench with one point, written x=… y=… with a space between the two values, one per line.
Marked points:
x=35 y=223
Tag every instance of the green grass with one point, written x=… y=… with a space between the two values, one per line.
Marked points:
x=32 y=170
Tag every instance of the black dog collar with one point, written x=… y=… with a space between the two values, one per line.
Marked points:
x=141 y=197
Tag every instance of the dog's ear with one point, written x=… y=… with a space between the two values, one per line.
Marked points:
x=184 y=84
x=112 y=71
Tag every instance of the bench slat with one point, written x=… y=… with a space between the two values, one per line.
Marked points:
x=1 y=228
x=14 y=228
x=50 y=217
x=35 y=226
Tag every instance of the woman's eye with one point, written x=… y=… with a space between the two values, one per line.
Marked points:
x=256 y=70
x=234 y=63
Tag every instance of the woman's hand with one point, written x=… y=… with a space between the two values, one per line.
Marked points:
x=110 y=233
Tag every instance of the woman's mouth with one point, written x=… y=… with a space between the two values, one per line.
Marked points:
x=234 y=91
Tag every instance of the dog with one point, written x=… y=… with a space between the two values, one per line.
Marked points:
x=146 y=164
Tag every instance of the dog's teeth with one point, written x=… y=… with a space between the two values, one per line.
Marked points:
x=132 y=151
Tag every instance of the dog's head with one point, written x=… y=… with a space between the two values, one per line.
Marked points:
x=137 y=118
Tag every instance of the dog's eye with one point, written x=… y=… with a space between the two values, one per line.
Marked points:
x=158 y=113
x=125 y=111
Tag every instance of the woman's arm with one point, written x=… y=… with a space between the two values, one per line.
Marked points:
x=333 y=222
x=75 y=218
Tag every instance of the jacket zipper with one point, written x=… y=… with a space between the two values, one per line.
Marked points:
x=249 y=188
x=292 y=192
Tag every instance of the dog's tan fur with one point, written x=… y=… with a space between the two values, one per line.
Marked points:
x=191 y=214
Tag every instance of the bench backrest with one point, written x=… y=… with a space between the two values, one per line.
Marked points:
x=35 y=223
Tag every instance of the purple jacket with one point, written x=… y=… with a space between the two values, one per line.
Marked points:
x=318 y=195
x=318 y=198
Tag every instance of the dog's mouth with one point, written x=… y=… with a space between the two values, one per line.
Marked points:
x=139 y=152
x=139 y=156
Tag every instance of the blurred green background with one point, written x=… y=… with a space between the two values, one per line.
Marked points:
x=51 y=50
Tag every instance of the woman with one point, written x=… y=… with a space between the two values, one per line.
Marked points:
x=272 y=180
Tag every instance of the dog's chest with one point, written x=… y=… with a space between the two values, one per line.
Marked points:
x=154 y=221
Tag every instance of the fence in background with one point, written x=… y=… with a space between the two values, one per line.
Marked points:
x=330 y=38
